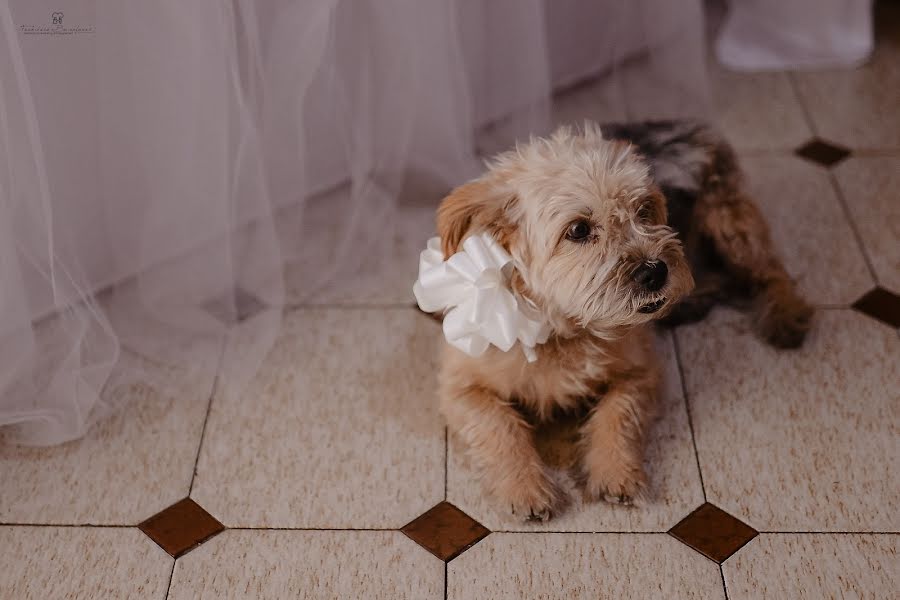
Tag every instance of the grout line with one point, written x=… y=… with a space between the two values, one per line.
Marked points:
x=807 y=116
x=669 y=533
x=69 y=525
x=171 y=576
x=785 y=152
x=445 y=580
x=803 y=108
x=830 y=532
x=212 y=395
x=871 y=152
x=724 y=586
x=833 y=180
x=687 y=406
x=446 y=453
x=555 y=531
x=581 y=532
x=228 y=528
x=842 y=200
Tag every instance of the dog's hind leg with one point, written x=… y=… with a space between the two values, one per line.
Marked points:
x=741 y=238
x=708 y=292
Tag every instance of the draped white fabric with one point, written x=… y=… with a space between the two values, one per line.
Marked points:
x=774 y=35
x=150 y=150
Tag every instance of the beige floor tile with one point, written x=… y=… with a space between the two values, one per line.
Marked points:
x=339 y=428
x=809 y=229
x=73 y=562
x=798 y=441
x=811 y=567
x=757 y=111
x=858 y=107
x=127 y=467
x=870 y=186
x=309 y=564
x=580 y=565
x=674 y=482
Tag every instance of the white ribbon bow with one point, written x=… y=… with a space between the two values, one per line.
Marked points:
x=472 y=287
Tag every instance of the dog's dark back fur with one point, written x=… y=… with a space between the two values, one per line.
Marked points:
x=683 y=156
x=724 y=235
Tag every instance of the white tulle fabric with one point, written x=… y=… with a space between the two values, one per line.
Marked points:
x=178 y=157
x=472 y=289
x=773 y=35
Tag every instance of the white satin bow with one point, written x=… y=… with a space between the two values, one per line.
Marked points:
x=472 y=287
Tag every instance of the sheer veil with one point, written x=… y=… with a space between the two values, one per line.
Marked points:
x=170 y=170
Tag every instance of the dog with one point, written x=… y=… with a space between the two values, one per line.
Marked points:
x=608 y=228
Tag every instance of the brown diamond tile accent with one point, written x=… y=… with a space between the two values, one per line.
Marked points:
x=822 y=152
x=713 y=532
x=181 y=527
x=234 y=307
x=445 y=531
x=880 y=304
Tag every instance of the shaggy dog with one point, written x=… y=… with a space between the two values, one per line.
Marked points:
x=605 y=231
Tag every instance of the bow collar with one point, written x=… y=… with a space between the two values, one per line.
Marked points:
x=472 y=286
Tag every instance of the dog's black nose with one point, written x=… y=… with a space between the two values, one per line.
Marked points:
x=651 y=275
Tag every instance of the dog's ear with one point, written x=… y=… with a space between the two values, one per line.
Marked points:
x=656 y=203
x=653 y=209
x=477 y=205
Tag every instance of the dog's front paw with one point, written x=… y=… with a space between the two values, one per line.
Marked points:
x=530 y=514
x=616 y=484
x=531 y=498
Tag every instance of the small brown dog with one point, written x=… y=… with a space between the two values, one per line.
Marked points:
x=602 y=231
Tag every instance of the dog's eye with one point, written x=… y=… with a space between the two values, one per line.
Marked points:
x=578 y=230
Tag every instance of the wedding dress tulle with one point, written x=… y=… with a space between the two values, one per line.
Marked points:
x=165 y=163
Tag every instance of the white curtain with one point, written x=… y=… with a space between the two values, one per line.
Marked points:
x=774 y=35
x=166 y=165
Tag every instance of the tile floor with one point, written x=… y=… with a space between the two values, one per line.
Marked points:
x=773 y=474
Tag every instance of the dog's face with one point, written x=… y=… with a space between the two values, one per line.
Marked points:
x=585 y=225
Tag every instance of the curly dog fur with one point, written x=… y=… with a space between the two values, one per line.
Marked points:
x=608 y=228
